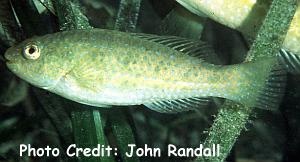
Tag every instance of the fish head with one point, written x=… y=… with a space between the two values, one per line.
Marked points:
x=39 y=61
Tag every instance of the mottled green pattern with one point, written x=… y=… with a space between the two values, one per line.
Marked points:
x=103 y=67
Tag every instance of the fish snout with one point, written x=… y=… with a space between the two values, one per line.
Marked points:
x=11 y=55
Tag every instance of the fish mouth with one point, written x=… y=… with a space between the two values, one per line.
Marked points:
x=10 y=55
x=8 y=62
x=5 y=59
x=8 y=59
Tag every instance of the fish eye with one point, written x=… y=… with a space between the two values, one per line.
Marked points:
x=31 y=52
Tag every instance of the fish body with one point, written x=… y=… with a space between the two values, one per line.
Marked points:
x=103 y=67
x=247 y=16
x=244 y=15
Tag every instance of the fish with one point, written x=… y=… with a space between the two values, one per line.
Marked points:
x=168 y=74
x=247 y=16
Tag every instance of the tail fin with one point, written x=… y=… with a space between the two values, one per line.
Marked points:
x=271 y=95
x=263 y=84
x=290 y=60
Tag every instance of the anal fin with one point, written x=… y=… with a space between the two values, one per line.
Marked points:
x=178 y=105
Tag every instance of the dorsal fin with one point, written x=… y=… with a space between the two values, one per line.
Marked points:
x=291 y=61
x=178 y=105
x=194 y=48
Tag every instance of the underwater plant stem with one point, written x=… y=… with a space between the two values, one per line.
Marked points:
x=127 y=15
x=70 y=15
x=87 y=122
x=49 y=5
x=272 y=33
x=88 y=131
x=54 y=107
x=232 y=117
x=31 y=22
x=11 y=30
x=122 y=131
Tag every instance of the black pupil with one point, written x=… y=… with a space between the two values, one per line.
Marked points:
x=31 y=50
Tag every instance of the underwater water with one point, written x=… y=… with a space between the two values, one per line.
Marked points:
x=34 y=118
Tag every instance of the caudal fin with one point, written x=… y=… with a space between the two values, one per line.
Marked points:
x=261 y=84
x=290 y=61
x=271 y=95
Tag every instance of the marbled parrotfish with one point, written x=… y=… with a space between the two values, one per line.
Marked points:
x=165 y=73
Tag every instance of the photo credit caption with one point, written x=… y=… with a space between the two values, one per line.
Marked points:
x=133 y=151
